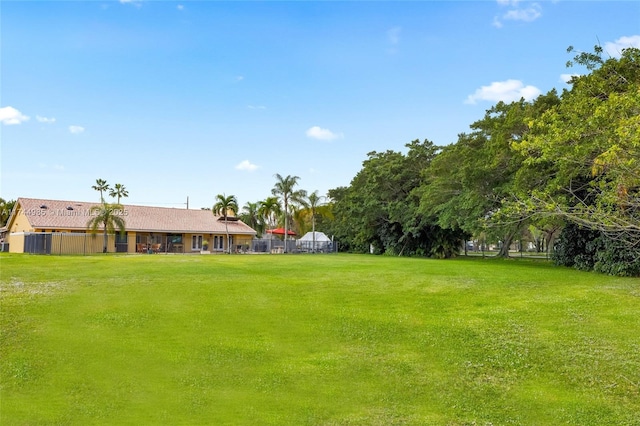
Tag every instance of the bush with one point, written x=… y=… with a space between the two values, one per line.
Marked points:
x=590 y=250
x=617 y=257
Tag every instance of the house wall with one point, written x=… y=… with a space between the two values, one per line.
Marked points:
x=17 y=242
x=20 y=222
x=243 y=240
x=131 y=242
x=187 y=241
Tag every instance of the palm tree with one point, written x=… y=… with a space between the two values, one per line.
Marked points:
x=118 y=191
x=109 y=217
x=284 y=188
x=269 y=211
x=101 y=186
x=313 y=202
x=222 y=207
x=251 y=216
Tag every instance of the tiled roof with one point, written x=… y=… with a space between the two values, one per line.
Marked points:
x=72 y=215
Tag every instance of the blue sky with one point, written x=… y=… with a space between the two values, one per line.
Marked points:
x=198 y=98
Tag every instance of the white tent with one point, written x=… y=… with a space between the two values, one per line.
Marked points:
x=322 y=242
x=320 y=237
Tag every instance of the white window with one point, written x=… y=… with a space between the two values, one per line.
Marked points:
x=196 y=242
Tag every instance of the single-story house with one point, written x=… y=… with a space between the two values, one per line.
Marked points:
x=57 y=226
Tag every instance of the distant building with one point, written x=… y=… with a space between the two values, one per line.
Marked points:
x=60 y=227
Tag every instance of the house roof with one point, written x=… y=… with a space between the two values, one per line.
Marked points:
x=74 y=215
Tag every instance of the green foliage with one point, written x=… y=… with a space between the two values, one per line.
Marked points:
x=592 y=250
x=314 y=340
x=588 y=147
x=251 y=216
x=526 y=168
x=109 y=217
x=223 y=206
x=101 y=186
x=381 y=207
x=5 y=210
x=289 y=196
x=118 y=191
x=616 y=257
x=269 y=211
x=468 y=183
x=576 y=247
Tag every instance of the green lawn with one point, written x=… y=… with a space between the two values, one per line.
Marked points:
x=315 y=340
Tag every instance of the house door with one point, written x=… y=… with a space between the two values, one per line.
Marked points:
x=196 y=242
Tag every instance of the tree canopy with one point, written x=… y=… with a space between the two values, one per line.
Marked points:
x=589 y=144
x=525 y=168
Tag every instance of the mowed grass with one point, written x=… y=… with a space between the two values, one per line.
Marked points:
x=315 y=340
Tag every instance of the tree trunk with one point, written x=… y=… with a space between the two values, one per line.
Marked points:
x=504 y=250
x=286 y=231
x=313 y=230
x=226 y=229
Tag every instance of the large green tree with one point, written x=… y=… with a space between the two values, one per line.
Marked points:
x=589 y=146
x=380 y=207
x=223 y=205
x=108 y=217
x=285 y=189
x=469 y=181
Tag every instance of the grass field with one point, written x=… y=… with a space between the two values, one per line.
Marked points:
x=315 y=340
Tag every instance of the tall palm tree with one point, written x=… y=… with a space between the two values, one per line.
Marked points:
x=284 y=188
x=109 y=217
x=269 y=211
x=222 y=207
x=101 y=186
x=251 y=216
x=118 y=191
x=313 y=202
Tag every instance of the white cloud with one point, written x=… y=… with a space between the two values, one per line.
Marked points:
x=45 y=119
x=614 y=49
x=528 y=13
x=256 y=107
x=319 y=133
x=180 y=7
x=506 y=91
x=239 y=77
x=10 y=115
x=247 y=166
x=76 y=130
